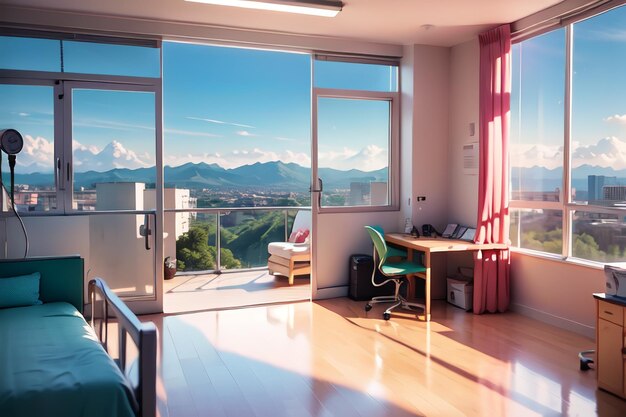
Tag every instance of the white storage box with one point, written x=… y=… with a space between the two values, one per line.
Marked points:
x=460 y=293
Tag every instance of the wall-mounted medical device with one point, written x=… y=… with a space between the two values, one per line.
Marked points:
x=11 y=143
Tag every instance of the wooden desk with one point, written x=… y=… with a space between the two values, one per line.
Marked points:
x=434 y=245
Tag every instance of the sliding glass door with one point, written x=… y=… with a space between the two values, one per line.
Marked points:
x=87 y=180
x=111 y=131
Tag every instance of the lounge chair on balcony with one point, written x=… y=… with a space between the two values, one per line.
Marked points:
x=293 y=257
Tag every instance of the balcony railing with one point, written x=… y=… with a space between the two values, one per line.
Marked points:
x=220 y=239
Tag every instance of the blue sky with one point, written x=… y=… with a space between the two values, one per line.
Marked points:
x=223 y=105
x=240 y=100
x=598 y=95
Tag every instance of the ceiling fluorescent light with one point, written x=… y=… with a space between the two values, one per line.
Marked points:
x=312 y=7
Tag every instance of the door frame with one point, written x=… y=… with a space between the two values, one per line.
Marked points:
x=63 y=84
x=317 y=210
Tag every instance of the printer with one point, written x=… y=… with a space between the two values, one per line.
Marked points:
x=615 y=279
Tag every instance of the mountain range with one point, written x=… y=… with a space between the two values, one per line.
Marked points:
x=274 y=175
x=543 y=179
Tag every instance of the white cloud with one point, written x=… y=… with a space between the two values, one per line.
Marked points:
x=36 y=156
x=608 y=152
x=76 y=145
x=113 y=155
x=524 y=155
x=110 y=124
x=327 y=159
x=191 y=133
x=22 y=114
x=618 y=118
x=368 y=158
x=245 y=133
x=239 y=157
x=615 y=35
x=219 y=122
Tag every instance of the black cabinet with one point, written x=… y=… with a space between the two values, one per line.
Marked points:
x=361 y=287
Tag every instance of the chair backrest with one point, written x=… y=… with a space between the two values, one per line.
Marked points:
x=379 y=242
x=379 y=229
x=302 y=220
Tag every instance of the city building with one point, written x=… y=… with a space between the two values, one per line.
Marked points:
x=596 y=184
x=614 y=192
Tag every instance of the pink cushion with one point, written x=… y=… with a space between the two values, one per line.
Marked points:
x=299 y=236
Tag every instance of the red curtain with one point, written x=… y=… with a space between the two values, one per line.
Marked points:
x=491 y=267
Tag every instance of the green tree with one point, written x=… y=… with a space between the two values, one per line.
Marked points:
x=586 y=247
x=194 y=253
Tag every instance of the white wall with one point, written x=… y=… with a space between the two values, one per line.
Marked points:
x=340 y=235
x=557 y=292
x=407 y=91
x=553 y=291
x=463 y=189
x=430 y=134
x=49 y=236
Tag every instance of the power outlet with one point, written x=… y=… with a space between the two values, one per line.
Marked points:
x=421 y=198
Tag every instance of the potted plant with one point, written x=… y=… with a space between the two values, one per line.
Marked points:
x=169 y=268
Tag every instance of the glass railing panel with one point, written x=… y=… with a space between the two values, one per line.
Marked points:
x=190 y=239
x=245 y=235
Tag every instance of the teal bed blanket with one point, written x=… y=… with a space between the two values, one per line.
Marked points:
x=54 y=365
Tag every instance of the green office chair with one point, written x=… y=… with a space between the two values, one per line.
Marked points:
x=396 y=271
x=391 y=251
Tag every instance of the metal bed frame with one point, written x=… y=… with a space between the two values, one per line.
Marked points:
x=143 y=335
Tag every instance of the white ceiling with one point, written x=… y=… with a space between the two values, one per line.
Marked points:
x=399 y=22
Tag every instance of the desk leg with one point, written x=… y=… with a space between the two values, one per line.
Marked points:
x=410 y=279
x=427 y=286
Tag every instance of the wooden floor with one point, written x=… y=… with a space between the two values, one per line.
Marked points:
x=185 y=293
x=330 y=358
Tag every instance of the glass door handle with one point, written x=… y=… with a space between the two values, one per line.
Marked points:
x=59 y=175
x=145 y=231
x=317 y=190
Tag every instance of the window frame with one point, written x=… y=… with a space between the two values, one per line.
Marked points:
x=566 y=205
x=62 y=83
x=394 y=142
x=392 y=97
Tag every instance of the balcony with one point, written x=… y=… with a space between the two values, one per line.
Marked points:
x=221 y=258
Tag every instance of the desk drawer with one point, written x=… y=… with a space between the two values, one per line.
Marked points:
x=611 y=312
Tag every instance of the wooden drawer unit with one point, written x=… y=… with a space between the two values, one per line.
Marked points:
x=611 y=344
x=611 y=312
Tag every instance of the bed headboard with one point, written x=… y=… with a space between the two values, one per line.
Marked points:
x=61 y=277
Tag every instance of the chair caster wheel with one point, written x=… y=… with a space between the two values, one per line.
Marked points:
x=368 y=307
x=386 y=316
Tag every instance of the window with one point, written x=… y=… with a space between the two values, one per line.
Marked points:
x=113 y=141
x=356 y=122
x=569 y=185
x=17 y=54
x=355 y=76
x=79 y=134
x=94 y=55
x=237 y=125
x=29 y=109
x=537 y=118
